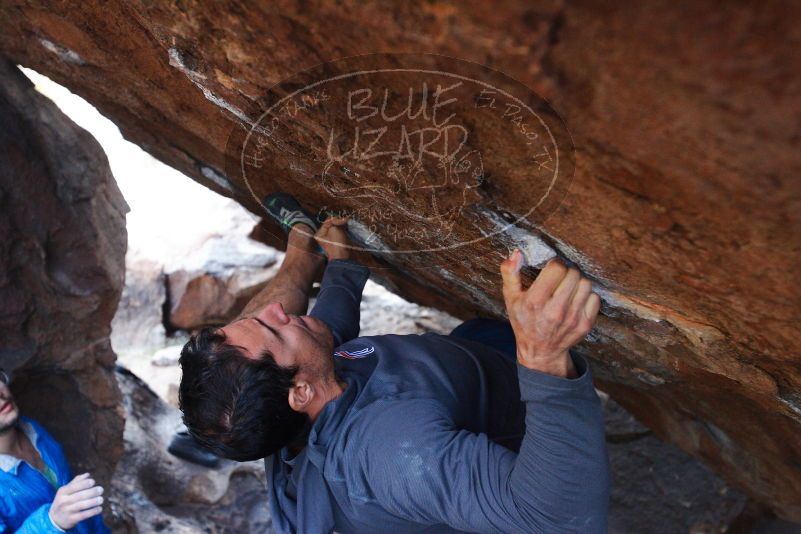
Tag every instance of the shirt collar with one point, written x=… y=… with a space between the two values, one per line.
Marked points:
x=287 y=457
x=327 y=425
x=9 y=463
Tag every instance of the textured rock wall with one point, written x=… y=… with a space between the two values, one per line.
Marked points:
x=62 y=245
x=683 y=207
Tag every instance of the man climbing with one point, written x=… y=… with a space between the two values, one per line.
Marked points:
x=413 y=433
x=37 y=492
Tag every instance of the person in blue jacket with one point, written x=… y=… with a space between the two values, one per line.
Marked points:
x=493 y=428
x=37 y=492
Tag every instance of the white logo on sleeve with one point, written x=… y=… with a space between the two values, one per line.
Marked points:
x=355 y=354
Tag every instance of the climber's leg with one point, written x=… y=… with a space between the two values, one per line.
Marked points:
x=291 y=285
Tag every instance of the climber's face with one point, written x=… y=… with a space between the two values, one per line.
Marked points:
x=302 y=341
x=8 y=408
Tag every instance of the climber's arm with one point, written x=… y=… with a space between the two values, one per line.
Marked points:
x=343 y=281
x=549 y=317
x=429 y=470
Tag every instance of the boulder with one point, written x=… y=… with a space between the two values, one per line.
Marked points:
x=214 y=283
x=679 y=200
x=138 y=324
x=62 y=222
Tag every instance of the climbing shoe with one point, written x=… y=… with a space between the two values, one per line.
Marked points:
x=285 y=210
x=186 y=448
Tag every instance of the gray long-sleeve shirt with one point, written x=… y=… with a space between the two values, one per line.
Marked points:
x=425 y=438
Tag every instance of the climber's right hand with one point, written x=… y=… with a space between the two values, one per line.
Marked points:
x=333 y=238
x=80 y=499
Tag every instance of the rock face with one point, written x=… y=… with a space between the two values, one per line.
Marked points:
x=139 y=322
x=214 y=283
x=658 y=488
x=682 y=206
x=62 y=222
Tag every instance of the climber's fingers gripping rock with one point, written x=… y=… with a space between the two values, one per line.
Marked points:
x=549 y=317
x=333 y=238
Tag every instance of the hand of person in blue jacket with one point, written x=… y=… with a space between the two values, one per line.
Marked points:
x=552 y=315
x=78 y=500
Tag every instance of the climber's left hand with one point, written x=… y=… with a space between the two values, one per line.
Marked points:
x=549 y=317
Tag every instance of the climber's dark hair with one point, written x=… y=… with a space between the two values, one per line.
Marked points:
x=235 y=406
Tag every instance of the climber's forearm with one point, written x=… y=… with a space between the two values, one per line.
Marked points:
x=340 y=297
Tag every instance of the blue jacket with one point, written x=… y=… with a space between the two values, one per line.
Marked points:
x=26 y=495
x=430 y=435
